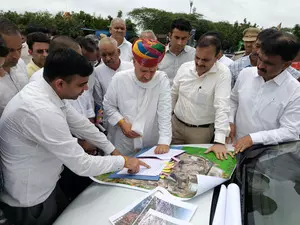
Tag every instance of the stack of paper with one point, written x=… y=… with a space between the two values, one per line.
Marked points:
x=167 y=156
x=157 y=207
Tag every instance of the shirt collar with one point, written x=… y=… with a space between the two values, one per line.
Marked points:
x=123 y=43
x=51 y=93
x=185 y=49
x=34 y=65
x=279 y=79
x=213 y=69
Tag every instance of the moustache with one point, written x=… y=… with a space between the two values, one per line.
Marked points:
x=262 y=70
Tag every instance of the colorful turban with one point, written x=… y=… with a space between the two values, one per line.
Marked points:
x=148 y=52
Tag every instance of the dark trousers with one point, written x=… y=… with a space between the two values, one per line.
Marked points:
x=44 y=213
x=71 y=184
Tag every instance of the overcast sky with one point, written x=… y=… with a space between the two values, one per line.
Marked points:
x=265 y=13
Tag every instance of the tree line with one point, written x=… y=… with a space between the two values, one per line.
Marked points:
x=70 y=23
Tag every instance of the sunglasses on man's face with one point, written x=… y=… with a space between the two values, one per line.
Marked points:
x=41 y=51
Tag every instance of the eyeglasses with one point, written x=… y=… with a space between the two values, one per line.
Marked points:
x=41 y=51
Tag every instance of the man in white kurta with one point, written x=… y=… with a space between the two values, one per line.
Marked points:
x=110 y=56
x=15 y=75
x=138 y=102
x=265 y=102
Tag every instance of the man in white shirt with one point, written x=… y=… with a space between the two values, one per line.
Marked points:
x=84 y=103
x=265 y=102
x=138 y=102
x=200 y=99
x=15 y=76
x=41 y=122
x=261 y=37
x=117 y=30
x=110 y=55
x=177 y=51
x=221 y=57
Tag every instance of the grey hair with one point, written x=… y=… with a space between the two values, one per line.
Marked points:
x=108 y=40
x=150 y=32
x=117 y=19
x=93 y=37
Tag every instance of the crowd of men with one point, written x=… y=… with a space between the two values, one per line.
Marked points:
x=89 y=105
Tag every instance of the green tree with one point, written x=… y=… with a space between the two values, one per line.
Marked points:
x=159 y=20
x=296 y=31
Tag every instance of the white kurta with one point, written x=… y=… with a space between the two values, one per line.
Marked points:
x=11 y=83
x=147 y=106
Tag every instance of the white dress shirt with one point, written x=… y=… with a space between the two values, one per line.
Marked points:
x=36 y=140
x=147 y=106
x=11 y=83
x=84 y=104
x=203 y=99
x=225 y=60
x=268 y=111
x=103 y=77
x=171 y=62
x=38 y=75
x=126 y=51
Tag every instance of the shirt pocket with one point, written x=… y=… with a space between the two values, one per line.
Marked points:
x=201 y=98
x=270 y=111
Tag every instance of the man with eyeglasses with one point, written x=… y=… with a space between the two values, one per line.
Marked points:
x=38 y=45
x=117 y=30
x=15 y=76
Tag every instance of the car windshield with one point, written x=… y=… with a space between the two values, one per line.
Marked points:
x=273 y=186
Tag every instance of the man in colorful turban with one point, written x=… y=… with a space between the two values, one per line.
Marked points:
x=138 y=102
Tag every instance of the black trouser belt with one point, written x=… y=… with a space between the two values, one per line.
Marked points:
x=191 y=125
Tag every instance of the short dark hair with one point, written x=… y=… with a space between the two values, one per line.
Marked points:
x=87 y=43
x=206 y=41
x=3 y=49
x=181 y=24
x=266 y=33
x=61 y=41
x=8 y=28
x=65 y=63
x=284 y=45
x=37 y=37
x=214 y=34
x=36 y=28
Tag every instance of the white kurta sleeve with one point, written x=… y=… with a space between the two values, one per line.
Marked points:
x=175 y=89
x=50 y=129
x=289 y=129
x=222 y=108
x=164 y=112
x=110 y=103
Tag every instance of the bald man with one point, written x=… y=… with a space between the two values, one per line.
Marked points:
x=118 y=32
x=110 y=56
